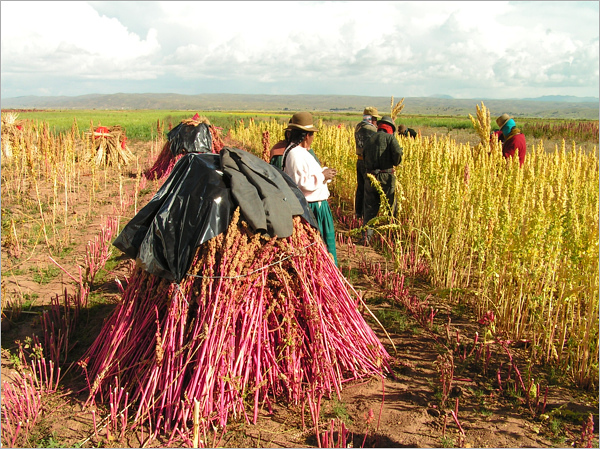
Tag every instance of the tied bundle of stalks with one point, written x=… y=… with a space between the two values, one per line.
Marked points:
x=11 y=128
x=110 y=146
x=256 y=320
x=166 y=160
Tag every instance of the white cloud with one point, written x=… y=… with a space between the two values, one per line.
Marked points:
x=491 y=49
x=72 y=38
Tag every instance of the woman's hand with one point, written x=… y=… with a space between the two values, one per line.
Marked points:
x=329 y=174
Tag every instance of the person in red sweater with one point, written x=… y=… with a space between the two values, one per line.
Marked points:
x=512 y=137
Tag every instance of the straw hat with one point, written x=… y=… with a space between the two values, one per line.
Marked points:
x=402 y=129
x=501 y=121
x=303 y=121
x=388 y=121
x=372 y=111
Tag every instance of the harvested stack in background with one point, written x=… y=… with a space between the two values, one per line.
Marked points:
x=110 y=146
x=270 y=319
x=167 y=158
x=10 y=133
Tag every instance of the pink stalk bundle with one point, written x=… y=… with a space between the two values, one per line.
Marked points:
x=217 y=141
x=99 y=249
x=328 y=438
x=21 y=408
x=117 y=421
x=165 y=161
x=45 y=377
x=58 y=324
x=268 y=319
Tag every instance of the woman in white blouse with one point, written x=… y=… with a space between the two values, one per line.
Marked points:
x=302 y=165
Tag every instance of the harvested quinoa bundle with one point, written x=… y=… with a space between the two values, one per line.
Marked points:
x=256 y=320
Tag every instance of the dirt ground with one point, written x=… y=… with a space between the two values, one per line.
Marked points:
x=402 y=410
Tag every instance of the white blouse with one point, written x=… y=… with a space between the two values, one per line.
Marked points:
x=307 y=173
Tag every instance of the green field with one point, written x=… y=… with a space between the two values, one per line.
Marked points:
x=142 y=124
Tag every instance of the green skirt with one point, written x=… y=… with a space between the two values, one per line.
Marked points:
x=324 y=218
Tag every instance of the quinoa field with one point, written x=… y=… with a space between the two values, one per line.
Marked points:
x=483 y=289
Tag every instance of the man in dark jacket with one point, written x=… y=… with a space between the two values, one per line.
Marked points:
x=512 y=137
x=381 y=154
x=406 y=132
x=363 y=130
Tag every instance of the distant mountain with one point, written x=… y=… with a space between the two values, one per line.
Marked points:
x=443 y=96
x=543 y=107
x=564 y=99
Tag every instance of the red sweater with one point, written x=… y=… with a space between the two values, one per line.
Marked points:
x=514 y=143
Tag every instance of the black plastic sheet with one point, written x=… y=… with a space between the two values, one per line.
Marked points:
x=187 y=138
x=196 y=204
x=191 y=207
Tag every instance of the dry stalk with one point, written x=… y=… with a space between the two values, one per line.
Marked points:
x=482 y=127
x=397 y=109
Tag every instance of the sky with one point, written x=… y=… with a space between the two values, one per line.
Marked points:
x=472 y=49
